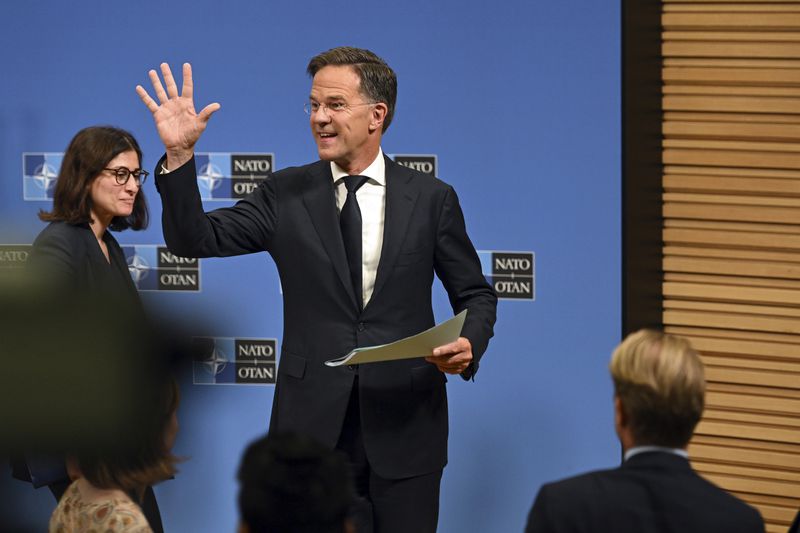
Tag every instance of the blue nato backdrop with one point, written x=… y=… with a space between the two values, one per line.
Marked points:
x=516 y=104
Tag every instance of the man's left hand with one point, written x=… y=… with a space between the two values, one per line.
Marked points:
x=453 y=358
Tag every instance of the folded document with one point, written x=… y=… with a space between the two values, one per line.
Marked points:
x=419 y=345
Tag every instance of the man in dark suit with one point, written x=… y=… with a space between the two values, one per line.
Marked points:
x=341 y=291
x=795 y=527
x=659 y=397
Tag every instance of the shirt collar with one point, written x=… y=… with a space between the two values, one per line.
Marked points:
x=636 y=450
x=376 y=171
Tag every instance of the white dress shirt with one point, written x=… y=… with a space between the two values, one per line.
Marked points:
x=371 y=200
x=636 y=450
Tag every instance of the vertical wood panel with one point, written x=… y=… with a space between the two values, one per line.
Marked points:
x=731 y=187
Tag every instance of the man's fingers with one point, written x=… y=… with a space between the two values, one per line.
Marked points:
x=207 y=111
x=169 y=81
x=445 y=349
x=450 y=364
x=459 y=345
x=187 y=91
x=157 y=87
x=452 y=358
x=452 y=369
x=148 y=101
x=448 y=360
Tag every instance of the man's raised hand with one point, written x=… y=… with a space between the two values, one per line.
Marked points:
x=178 y=125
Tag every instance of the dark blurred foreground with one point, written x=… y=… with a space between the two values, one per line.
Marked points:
x=78 y=371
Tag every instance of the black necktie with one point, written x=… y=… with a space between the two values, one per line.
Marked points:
x=350 y=222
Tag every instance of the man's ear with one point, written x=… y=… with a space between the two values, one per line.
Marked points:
x=378 y=115
x=243 y=528
x=620 y=417
x=622 y=424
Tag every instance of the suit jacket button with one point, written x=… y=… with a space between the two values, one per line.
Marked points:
x=361 y=326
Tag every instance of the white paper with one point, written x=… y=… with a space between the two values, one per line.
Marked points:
x=419 y=345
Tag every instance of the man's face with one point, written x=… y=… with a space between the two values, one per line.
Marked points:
x=345 y=125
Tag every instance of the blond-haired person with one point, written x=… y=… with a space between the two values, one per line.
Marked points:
x=659 y=395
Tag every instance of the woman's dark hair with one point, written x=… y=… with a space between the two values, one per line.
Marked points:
x=143 y=459
x=88 y=153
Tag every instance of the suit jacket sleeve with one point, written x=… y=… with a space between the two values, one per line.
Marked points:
x=796 y=524
x=190 y=232
x=54 y=255
x=538 y=519
x=457 y=265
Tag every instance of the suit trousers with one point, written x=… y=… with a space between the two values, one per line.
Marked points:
x=386 y=505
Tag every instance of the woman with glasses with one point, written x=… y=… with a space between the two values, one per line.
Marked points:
x=98 y=188
x=76 y=258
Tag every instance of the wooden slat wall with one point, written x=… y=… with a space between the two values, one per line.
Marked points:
x=731 y=153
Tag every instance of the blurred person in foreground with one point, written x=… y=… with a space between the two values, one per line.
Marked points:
x=289 y=483
x=83 y=353
x=659 y=396
x=110 y=483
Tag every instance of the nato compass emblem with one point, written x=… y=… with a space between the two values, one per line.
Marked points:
x=216 y=367
x=45 y=176
x=39 y=174
x=216 y=362
x=138 y=268
x=213 y=176
x=210 y=178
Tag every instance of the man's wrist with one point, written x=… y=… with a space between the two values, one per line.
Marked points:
x=176 y=159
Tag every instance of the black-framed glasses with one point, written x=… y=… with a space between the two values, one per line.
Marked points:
x=334 y=107
x=123 y=174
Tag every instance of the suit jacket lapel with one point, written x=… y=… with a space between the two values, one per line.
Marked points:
x=93 y=251
x=320 y=201
x=118 y=261
x=401 y=195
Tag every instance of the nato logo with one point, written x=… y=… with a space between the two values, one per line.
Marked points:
x=423 y=162
x=14 y=256
x=39 y=174
x=227 y=176
x=155 y=268
x=235 y=361
x=512 y=274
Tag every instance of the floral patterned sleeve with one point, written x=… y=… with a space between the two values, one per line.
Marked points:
x=112 y=516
